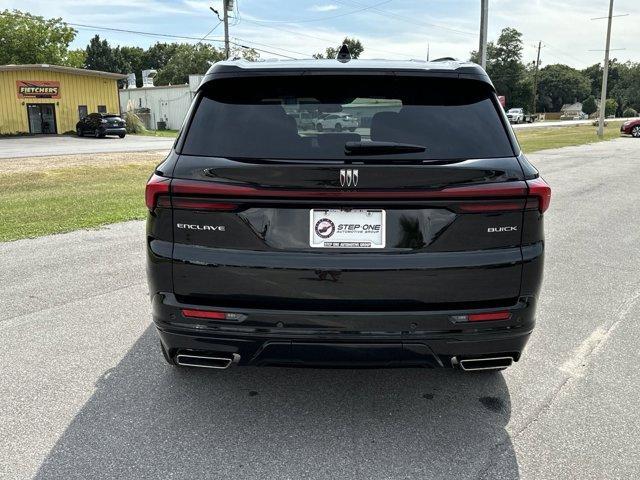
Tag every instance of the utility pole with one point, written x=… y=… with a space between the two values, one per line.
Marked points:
x=535 y=81
x=605 y=74
x=225 y=16
x=428 y=51
x=484 y=27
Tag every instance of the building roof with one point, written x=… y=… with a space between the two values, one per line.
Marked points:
x=62 y=69
x=447 y=68
x=572 y=106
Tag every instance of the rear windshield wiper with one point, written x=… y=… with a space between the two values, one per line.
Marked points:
x=381 y=148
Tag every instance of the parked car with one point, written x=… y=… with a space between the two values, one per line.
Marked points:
x=631 y=127
x=422 y=246
x=518 y=115
x=100 y=125
x=337 y=122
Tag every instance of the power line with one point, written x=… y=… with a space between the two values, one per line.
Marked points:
x=328 y=17
x=323 y=39
x=164 y=35
x=387 y=14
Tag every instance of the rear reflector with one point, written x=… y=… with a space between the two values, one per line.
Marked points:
x=203 y=314
x=542 y=191
x=156 y=186
x=212 y=315
x=483 y=317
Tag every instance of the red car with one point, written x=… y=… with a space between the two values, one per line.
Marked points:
x=632 y=127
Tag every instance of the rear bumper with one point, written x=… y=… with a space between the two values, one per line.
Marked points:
x=115 y=131
x=344 y=339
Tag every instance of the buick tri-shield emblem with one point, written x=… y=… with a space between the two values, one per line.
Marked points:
x=348 y=177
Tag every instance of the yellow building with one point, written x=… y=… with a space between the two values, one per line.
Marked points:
x=51 y=99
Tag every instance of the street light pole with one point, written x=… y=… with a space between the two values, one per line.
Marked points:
x=605 y=74
x=484 y=26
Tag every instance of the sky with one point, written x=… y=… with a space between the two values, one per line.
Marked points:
x=399 y=29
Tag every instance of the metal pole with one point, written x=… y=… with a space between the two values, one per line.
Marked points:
x=484 y=25
x=535 y=81
x=225 y=14
x=605 y=74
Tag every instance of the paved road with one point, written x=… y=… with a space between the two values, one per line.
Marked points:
x=44 y=145
x=85 y=393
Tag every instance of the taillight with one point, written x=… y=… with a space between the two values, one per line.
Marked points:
x=485 y=190
x=156 y=186
x=541 y=191
x=203 y=204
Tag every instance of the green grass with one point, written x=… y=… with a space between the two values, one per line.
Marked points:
x=159 y=133
x=536 y=139
x=61 y=200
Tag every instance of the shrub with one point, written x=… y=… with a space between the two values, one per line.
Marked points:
x=629 y=112
x=133 y=123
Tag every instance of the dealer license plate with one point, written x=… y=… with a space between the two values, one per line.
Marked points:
x=347 y=228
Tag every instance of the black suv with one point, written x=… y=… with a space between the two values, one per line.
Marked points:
x=101 y=124
x=415 y=241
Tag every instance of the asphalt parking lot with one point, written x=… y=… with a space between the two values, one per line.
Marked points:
x=46 y=145
x=86 y=393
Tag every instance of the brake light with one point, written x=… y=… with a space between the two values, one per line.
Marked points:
x=202 y=204
x=490 y=207
x=156 y=186
x=540 y=190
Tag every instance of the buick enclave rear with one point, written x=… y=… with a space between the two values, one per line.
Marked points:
x=414 y=240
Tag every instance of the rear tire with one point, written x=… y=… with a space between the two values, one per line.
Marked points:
x=635 y=132
x=122 y=135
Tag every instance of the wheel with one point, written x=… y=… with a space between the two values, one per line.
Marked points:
x=338 y=127
x=636 y=131
x=319 y=127
x=79 y=132
x=166 y=356
x=352 y=129
x=122 y=135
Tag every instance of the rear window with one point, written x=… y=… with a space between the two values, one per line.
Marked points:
x=313 y=117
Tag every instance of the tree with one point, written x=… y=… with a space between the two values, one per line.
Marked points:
x=188 y=59
x=561 y=84
x=100 y=56
x=589 y=106
x=610 y=107
x=355 y=49
x=505 y=68
x=27 y=38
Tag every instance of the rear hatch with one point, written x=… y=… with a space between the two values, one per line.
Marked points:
x=421 y=207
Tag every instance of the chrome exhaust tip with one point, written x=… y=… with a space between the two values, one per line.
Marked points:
x=487 y=363
x=206 y=361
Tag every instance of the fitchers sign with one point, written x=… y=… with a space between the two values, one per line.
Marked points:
x=38 y=89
